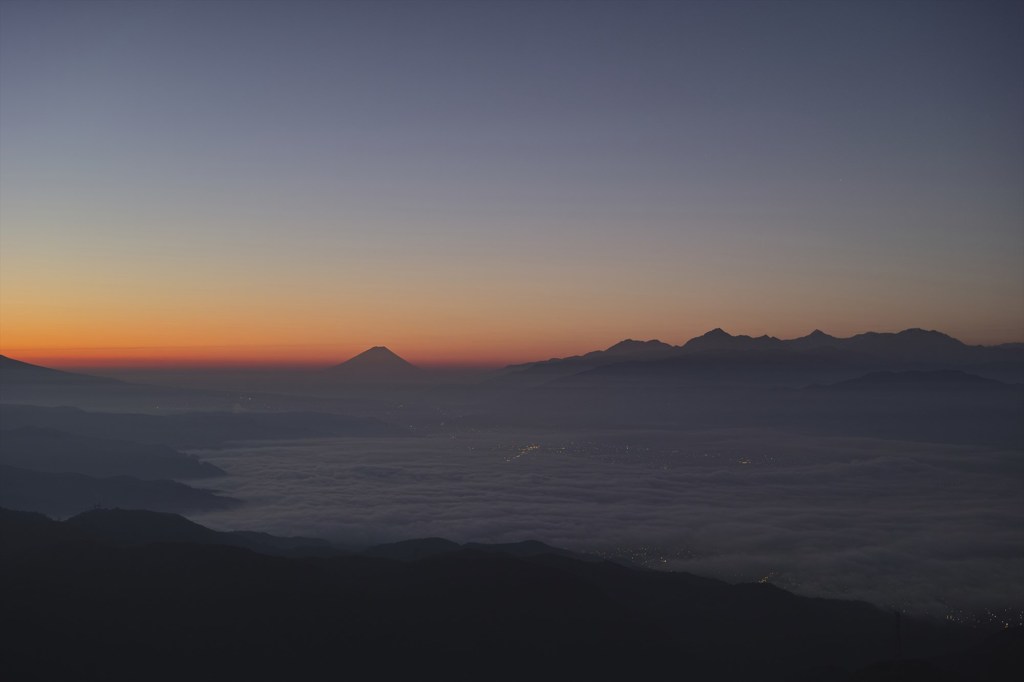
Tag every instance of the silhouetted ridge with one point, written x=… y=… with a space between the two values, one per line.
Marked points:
x=17 y=372
x=416 y=549
x=720 y=358
x=135 y=527
x=717 y=340
x=815 y=339
x=628 y=350
x=411 y=550
x=139 y=527
x=633 y=346
x=231 y=614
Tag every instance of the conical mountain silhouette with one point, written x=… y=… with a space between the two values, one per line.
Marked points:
x=378 y=364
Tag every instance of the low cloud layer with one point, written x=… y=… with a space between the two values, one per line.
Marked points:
x=928 y=528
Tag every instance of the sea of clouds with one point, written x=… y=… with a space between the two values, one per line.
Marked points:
x=921 y=527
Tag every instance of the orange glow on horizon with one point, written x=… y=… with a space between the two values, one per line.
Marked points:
x=489 y=351
x=297 y=356
x=187 y=358
x=141 y=327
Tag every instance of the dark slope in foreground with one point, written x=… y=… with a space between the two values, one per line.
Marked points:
x=86 y=609
x=136 y=527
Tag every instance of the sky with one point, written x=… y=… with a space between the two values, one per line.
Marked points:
x=483 y=183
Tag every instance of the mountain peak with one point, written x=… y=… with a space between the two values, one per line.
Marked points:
x=815 y=339
x=717 y=333
x=634 y=345
x=378 y=352
x=917 y=332
x=377 y=364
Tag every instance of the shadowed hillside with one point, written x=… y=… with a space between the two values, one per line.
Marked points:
x=207 y=611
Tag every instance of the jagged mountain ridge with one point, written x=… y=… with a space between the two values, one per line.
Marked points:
x=807 y=357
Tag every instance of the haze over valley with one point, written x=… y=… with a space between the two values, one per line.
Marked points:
x=512 y=340
x=848 y=468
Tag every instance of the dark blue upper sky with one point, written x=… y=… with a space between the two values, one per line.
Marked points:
x=517 y=175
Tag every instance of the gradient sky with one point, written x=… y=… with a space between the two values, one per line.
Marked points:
x=493 y=182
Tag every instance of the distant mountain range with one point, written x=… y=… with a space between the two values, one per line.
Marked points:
x=719 y=357
x=715 y=357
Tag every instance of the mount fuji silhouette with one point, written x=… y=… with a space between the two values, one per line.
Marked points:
x=377 y=365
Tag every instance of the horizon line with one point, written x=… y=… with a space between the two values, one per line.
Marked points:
x=54 y=357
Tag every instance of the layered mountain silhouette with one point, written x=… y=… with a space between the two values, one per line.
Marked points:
x=719 y=340
x=922 y=379
x=63 y=494
x=135 y=527
x=377 y=365
x=138 y=527
x=414 y=550
x=61 y=452
x=130 y=588
x=192 y=429
x=628 y=350
x=720 y=357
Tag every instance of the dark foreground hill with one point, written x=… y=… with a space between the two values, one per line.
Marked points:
x=82 y=607
x=136 y=527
